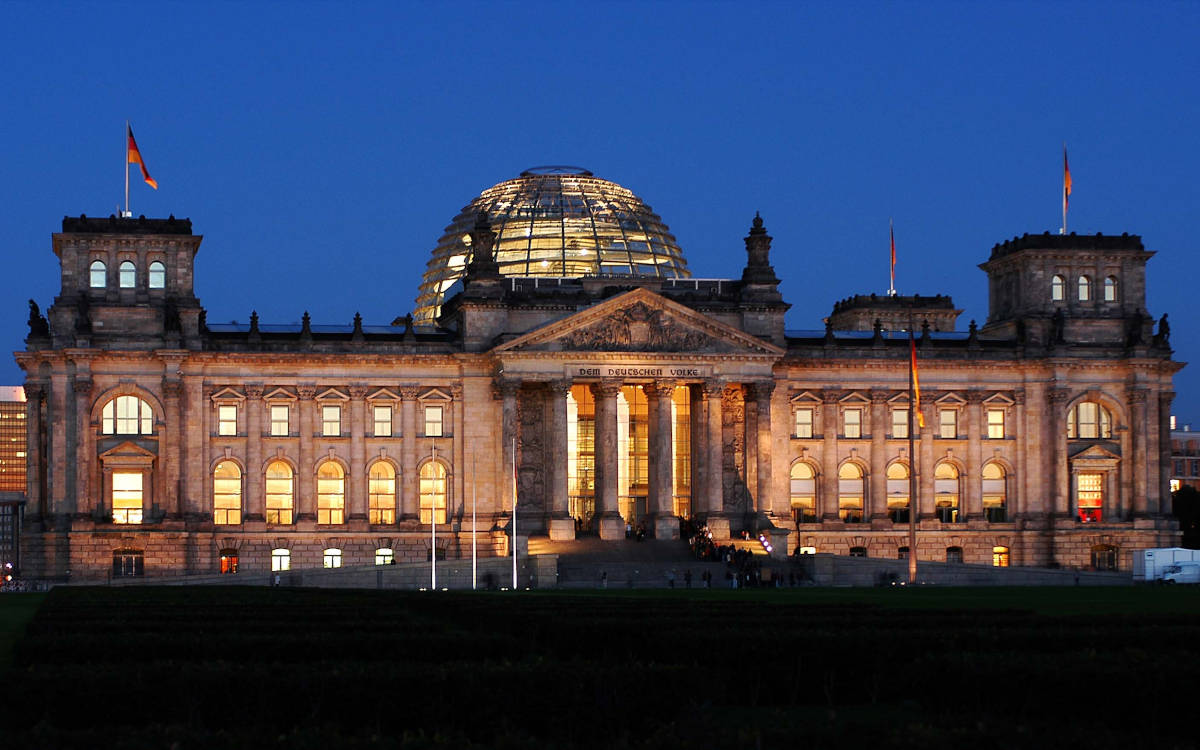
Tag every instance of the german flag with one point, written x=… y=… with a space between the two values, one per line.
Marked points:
x=133 y=156
x=1066 y=181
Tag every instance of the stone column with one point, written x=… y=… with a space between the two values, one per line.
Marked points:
x=255 y=502
x=608 y=521
x=714 y=489
x=508 y=435
x=876 y=505
x=971 y=506
x=562 y=526
x=1057 y=443
x=409 y=510
x=170 y=448
x=34 y=431
x=56 y=422
x=762 y=403
x=82 y=387
x=664 y=522
x=306 y=509
x=749 y=438
x=1141 y=472
x=356 y=483
x=829 y=456
x=697 y=426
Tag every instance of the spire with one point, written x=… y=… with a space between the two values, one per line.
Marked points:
x=758 y=276
x=483 y=262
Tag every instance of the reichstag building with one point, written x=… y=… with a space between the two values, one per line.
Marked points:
x=562 y=356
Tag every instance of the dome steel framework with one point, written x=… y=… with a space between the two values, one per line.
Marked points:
x=555 y=222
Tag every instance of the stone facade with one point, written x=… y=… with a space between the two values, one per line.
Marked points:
x=155 y=435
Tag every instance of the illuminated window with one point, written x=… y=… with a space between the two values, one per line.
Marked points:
x=385 y=556
x=1000 y=557
x=98 y=277
x=945 y=492
x=331 y=420
x=897 y=492
x=279 y=492
x=995 y=424
x=1175 y=485
x=954 y=554
x=804 y=493
x=127 y=496
x=126 y=275
x=1058 y=288
x=1110 y=289
x=852 y=423
x=332 y=557
x=331 y=493
x=281 y=560
x=158 y=275
x=433 y=421
x=995 y=493
x=948 y=423
x=127 y=415
x=1090 y=496
x=1085 y=289
x=383 y=421
x=229 y=561
x=900 y=423
x=227 y=493
x=381 y=490
x=850 y=493
x=681 y=442
x=804 y=423
x=128 y=563
x=227 y=419
x=433 y=492
x=279 y=420
x=1089 y=420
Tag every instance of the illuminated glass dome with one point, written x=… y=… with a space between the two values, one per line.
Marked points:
x=555 y=222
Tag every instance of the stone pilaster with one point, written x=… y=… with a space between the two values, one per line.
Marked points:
x=35 y=393
x=608 y=521
x=561 y=525
x=1141 y=471
x=169 y=447
x=925 y=484
x=194 y=464
x=829 y=456
x=1056 y=442
x=972 y=503
x=82 y=444
x=661 y=500
x=409 y=510
x=1015 y=496
x=1163 y=454
x=875 y=508
x=305 y=479
x=356 y=483
x=255 y=502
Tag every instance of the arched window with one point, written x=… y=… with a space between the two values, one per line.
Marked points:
x=157 y=278
x=126 y=275
x=954 y=554
x=804 y=493
x=127 y=415
x=98 y=276
x=1104 y=557
x=281 y=559
x=995 y=493
x=227 y=493
x=1089 y=420
x=332 y=557
x=229 y=561
x=279 y=493
x=897 y=492
x=1085 y=289
x=433 y=492
x=381 y=491
x=1058 y=288
x=331 y=493
x=1000 y=556
x=1110 y=289
x=945 y=492
x=850 y=493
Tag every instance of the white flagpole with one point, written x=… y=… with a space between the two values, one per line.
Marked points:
x=127 y=168
x=514 y=514
x=474 y=536
x=433 y=535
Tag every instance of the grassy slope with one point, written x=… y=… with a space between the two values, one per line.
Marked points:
x=15 y=612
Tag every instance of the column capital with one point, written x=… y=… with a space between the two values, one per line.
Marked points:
x=879 y=397
x=606 y=388
x=34 y=391
x=561 y=387
x=306 y=392
x=82 y=386
x=254 y=391
x=172 y=388
x=974 y=397
x=456 y=392
x=659 y=389
x=506 y=388
x=829 y=396
x=1018 y=396
x=1138 y=395
x=1057 y=396
x=714 y=387
x=358 y=392
x=409 y=391
x=762 y=389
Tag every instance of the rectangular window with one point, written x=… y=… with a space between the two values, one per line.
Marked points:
x=128 y=563
x=281 y=560
x=331 y=421
x=852 y=423
x=804 y=423
x=900 y=423
x=948 y=423
x=384 y=556
x=227 y=420
x=433 y=421
x=995 y=424
x=229 y=563
x=279 y=420
x=1090 y=489
x=383 y=421
x=127 y=496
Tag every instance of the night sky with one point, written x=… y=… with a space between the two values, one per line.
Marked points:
x=322 y=148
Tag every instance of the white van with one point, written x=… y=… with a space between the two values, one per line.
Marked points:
x=1183 y=572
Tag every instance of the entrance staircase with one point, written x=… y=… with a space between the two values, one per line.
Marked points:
x=588 y=562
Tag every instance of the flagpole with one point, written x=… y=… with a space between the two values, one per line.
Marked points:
x=892 y=271
x=474 y=535
x=514 y=514
x=126 y=169
x=433 y=533
x=912 y=457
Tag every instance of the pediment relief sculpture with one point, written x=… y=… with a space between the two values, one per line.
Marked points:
x=641 y=328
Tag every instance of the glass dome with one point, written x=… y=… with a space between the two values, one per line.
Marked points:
x=555 y=222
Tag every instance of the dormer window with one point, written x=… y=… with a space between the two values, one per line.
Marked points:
x=1085 y=289
x=1110 y=289
x=127 y=275
x=1058 y=288
x=158 y=275
x=98 y=277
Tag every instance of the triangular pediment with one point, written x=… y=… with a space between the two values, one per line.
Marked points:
x=951 y=399
x=998 y=399
x=227 y=395
x=280 y=394
x=640 y=321
x=1096 y=453
x=127 y=450
x=332 y=394
x=383 y=394
x=805 y=398
x=435 y=394
x=854 y=398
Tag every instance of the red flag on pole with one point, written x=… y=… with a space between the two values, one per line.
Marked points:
x=1066 y=187
x=135 y=157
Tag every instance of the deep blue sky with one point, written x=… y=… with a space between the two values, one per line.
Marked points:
x=321 y=148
